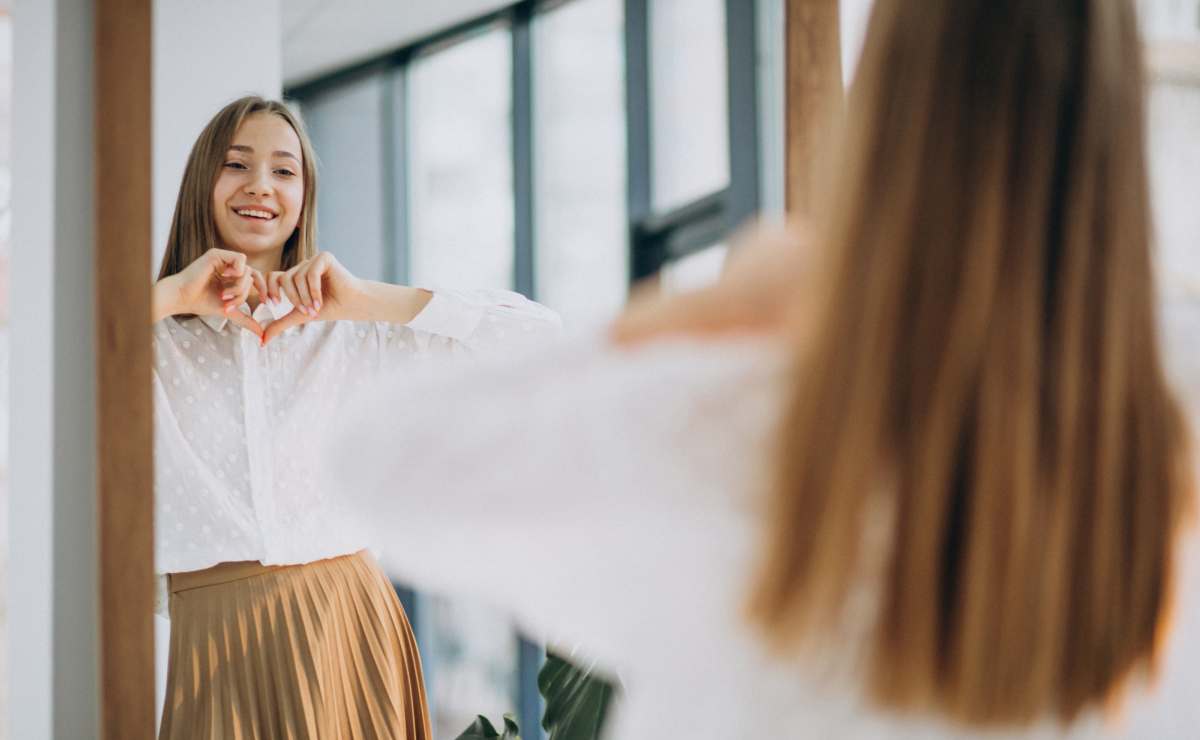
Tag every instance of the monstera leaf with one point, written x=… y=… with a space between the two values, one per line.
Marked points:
x=577 y=700
x=482 y=729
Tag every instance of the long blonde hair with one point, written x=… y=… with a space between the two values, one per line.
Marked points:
x=193 y=227
x=986 y=359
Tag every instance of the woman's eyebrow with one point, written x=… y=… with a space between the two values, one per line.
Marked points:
x=250 y=150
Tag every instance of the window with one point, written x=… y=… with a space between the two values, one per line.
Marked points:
x=689 y=131
x=345 y=126
x=460 y=164
x=694 y=71
x=579 y=168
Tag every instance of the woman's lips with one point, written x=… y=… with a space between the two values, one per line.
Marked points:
x=255 y=214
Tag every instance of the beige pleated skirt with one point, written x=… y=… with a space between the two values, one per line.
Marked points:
x=320 y=651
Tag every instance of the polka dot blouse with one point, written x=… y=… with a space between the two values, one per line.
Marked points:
x=239 y=427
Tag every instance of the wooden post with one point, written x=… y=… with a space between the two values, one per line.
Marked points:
x=123 y=141
x=814 y=93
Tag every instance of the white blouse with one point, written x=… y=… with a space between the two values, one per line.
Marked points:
x=612 y=500
x=239 y=427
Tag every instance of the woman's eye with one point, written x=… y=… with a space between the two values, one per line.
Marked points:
x=235 y=165
x=285 y=172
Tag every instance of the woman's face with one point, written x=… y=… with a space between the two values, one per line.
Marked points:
x=260 y=190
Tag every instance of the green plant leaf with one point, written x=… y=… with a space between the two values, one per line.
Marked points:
x=577 y=700
x=483 y=729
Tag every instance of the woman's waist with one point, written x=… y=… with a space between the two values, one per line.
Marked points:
x=228 y=572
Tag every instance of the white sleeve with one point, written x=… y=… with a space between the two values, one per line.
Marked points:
x=565 y=485
x=486 y=319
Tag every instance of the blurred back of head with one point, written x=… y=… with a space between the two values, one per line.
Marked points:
x=986 y=363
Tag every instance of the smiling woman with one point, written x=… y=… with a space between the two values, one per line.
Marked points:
x=259 y=339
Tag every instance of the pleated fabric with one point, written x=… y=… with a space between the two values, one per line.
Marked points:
x=319 y=651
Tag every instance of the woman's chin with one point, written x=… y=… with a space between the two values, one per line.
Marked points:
x=256 y=247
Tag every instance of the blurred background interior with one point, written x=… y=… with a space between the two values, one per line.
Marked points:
x=563 y=149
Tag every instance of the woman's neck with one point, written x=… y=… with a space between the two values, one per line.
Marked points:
x=265 y=263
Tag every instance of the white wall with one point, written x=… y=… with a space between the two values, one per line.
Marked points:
x=52 y=585
x=205 y=55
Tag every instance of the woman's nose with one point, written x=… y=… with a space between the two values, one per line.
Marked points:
x=259 y=184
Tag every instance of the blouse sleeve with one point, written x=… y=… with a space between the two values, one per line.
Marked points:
x=566 y=485
x=481 y=321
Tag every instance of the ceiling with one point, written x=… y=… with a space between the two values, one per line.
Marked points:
x=321 y=36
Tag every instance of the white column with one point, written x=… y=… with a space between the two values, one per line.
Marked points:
x=52 y=578
x=205 y=55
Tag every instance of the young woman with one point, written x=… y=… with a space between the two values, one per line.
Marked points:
x=940 y=495
x=282 y=626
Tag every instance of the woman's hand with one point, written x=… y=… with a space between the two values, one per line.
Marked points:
x=320 y=289
x=215 y=284
x=757 y=290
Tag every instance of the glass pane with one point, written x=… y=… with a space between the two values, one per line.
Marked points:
x=579 y=178
x=469 y=654
x=460 y=165
x=345 y=126
x=694 y=271
x=689 y=107
x=771 y=97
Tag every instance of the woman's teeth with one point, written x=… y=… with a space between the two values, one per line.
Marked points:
x=255 y=214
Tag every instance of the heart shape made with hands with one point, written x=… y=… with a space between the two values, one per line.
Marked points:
x=284 y=315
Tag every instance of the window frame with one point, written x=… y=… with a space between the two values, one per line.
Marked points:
x=657 y=238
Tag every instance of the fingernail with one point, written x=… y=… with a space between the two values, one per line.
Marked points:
x=318 y=305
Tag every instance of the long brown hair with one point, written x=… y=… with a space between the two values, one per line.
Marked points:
x=985 y=362
x=193 y=227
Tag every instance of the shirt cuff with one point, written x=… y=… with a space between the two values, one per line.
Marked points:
x=447 y=315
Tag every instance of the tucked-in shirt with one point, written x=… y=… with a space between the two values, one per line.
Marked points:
x=614 y=501
x=239 y=427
